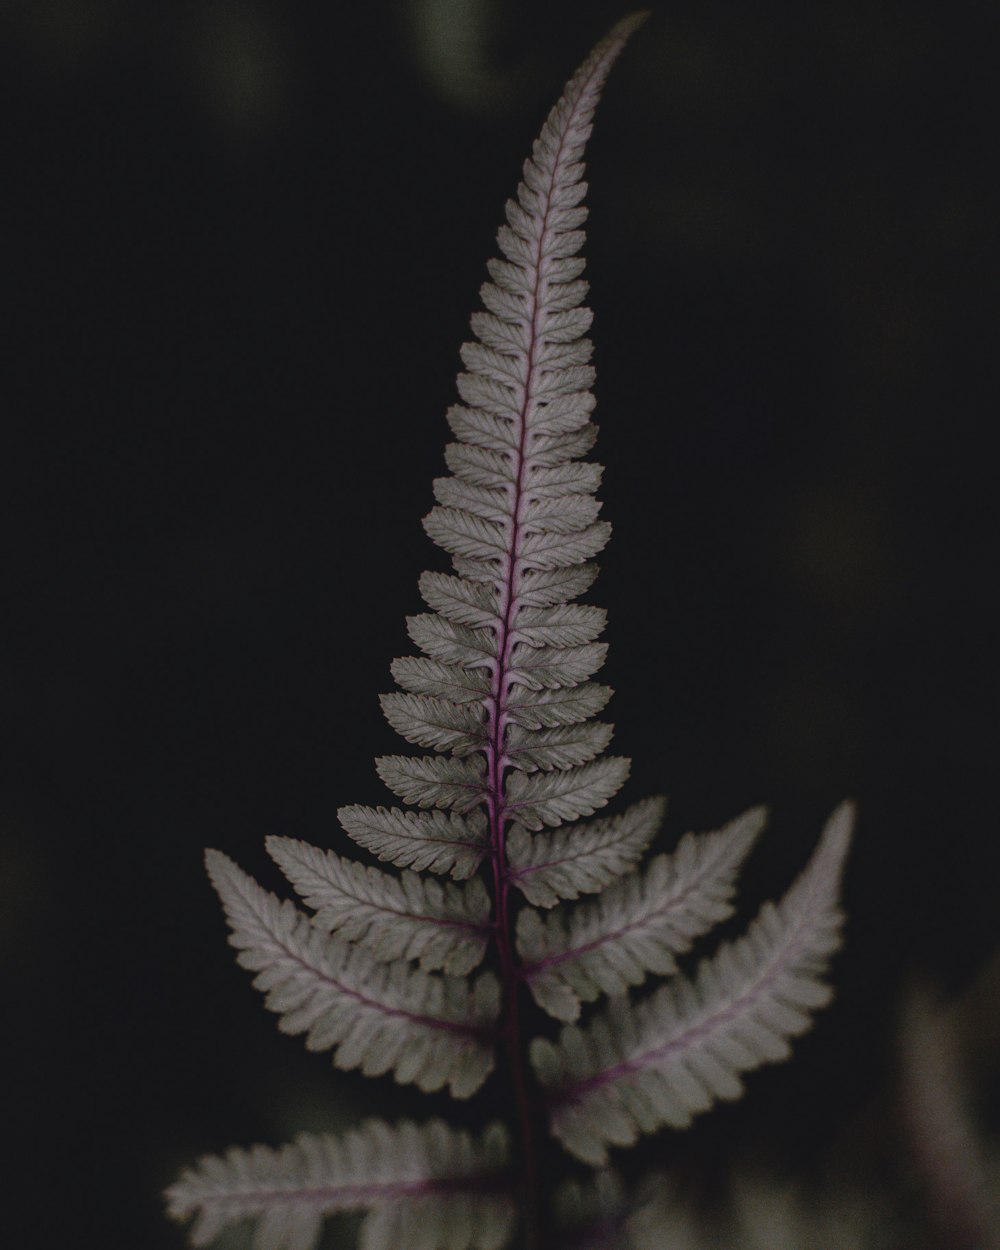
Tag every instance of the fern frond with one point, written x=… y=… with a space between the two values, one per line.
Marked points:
x=436 y=723
x=637 y=925
x=502 y=695
x=429 y=1187
x=465 y=603
x=544 y=708
x=405 y=917
x=549 y=450
x=461 y=533
x=425 y=782
x=555 y=668
x=566 y=513
x=380 y=1017
x=550 y=798
x=567 y=624
x=547 y=588
x=554 y=547
x=480 y=466
x=491 y=505
x=424 y=841
x=441 y=639
x=520 y=521
x=582 y=859
x=446 y=681
x=636 y=1070
x=562 y=747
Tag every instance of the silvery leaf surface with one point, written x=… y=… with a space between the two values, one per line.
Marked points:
x=428 y=1178
x=637 y=925
x=406 y=916
x=380 y=1017
x=638 y=1068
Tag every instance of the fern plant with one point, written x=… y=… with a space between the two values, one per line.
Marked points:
x=386 y=967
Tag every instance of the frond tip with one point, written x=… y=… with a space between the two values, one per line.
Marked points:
x=635 y=1071
x=428 y=1187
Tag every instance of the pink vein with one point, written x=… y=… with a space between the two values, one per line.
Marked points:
x=358 y=1192
x=649 y=917
x=781 y=960
x=432 y=1022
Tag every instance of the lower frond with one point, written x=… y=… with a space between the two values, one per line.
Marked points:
x=637 y=1069
x=427 y=1186
x=637 y=925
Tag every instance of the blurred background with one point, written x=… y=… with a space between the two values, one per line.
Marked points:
x=243 y=242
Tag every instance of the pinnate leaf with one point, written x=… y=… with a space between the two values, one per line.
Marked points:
x=379 y=1017
x=429 y=1186
x=581 y=859
x=424 y=841
x=430 y=782
x=635 y=1070
x=444 y=926
x=637 y=925
x=563 y=747
x=550 y=798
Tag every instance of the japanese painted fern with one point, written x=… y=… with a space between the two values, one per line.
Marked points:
x=385 y=969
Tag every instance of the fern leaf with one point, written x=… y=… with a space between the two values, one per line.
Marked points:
x=460 y=533
x=405 y=917
x=566 y=705
x=566 y=625
x=567 y=513
x=458 y=600
x=479 y=428
x=441 y=639
x=427 y=782
x=480 y=465
x=555 y=667
x=436 y=723
x=549 y=450
x=564 y=411
x=538 y=799
x=546 y=588
x=582 y=859
x=429 y=677
x=562 y=747
x=427 y=1186
x=423 y=841
x=553 y=549
x=564 y=479
x=489 y=504
x=635 y=1071
x=429 y=1030
x=638 y=924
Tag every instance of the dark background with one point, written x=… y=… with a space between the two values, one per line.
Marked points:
x=243 y=243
